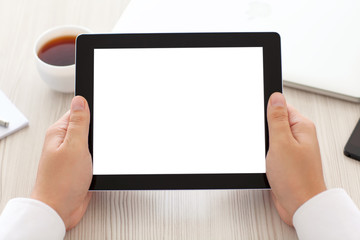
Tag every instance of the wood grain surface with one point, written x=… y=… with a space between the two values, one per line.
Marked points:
x=225 y=214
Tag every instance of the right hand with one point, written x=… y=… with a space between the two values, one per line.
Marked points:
x=293 y=162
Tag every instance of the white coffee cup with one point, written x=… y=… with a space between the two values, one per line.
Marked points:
x=58 y=78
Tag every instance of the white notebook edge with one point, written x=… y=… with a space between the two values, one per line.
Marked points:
x=24 y=122
x=320 y=91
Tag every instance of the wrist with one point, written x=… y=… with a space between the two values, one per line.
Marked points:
x=51 y=204
x=306 y=196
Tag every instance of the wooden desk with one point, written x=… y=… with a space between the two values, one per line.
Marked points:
x=144 y=214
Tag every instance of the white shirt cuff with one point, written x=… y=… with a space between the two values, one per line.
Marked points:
x=24 y=218
x=329 y=215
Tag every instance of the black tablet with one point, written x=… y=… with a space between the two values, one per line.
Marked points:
x=178 y=110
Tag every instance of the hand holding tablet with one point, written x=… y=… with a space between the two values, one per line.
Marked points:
x=170 y=111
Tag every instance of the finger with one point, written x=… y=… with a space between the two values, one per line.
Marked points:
x=87 y=199
x=302 y=128
x=79 y=120
x=56 y=133
x=79 y=213
x=294 y=116
x=278 y=119
x=284 y=215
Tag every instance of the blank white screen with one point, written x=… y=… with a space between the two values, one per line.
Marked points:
x=178 y=110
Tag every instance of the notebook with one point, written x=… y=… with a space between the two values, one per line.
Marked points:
x=11 y=114
x=320 y=41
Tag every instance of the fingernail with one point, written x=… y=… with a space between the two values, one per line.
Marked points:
x=77 y=104
x=277 y=99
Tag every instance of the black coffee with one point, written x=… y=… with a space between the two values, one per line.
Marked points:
x=59 y=51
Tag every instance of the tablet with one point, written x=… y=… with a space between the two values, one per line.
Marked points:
x=178 y=110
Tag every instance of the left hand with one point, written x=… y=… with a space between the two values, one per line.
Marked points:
x=65 y=168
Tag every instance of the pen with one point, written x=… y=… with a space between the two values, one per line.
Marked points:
x=4 y=123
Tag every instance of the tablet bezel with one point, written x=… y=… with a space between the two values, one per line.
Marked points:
x=84 y=86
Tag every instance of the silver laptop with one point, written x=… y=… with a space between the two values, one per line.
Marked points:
x=320 y=39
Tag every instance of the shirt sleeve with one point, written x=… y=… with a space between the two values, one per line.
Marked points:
x=24 y=218
x=329 y=215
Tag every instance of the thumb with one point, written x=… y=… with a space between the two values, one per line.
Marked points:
x=278 y=118
x=79 y=120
